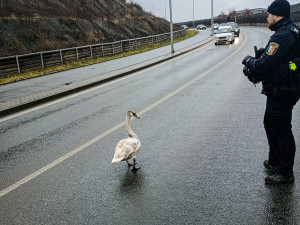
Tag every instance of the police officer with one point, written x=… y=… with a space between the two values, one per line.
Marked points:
x=274 y=66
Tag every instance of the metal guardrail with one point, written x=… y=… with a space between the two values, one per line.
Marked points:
x=40 y=60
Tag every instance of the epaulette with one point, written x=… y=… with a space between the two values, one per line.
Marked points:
x=296 y=33
x=294 y=29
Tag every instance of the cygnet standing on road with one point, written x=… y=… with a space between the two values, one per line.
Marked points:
x=127 y=148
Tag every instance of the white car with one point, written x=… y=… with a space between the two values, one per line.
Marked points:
x=224 y=34
x=185 y=27
x=216 y=26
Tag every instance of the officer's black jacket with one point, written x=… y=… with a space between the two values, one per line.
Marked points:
x=281 y=48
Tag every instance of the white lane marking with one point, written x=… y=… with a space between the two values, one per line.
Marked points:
x=92 y=141
x=12 y=116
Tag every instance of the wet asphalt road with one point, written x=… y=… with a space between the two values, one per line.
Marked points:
x=203 y=145
x=43 y=83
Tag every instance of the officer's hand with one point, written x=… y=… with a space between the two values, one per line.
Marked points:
x=294 y=64
x=245 y=71
x=259 y=52
x=251 y=76
x=246 y=60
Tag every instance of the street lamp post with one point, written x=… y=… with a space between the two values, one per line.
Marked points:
x=166 y=2
x=212 y=17
x=171 y=28
x=193 y=14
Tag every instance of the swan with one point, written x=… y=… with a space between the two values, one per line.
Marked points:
x=127 y=148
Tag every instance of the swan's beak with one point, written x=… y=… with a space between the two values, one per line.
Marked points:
x=136 y=116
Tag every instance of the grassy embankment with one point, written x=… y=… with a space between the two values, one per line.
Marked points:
x=83 y=62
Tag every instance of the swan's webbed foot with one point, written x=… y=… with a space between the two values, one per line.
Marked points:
x=134 y=168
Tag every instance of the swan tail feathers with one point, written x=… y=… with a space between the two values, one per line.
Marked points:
x=115 y=161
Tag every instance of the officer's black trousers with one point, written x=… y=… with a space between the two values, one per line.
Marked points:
x=277 y=123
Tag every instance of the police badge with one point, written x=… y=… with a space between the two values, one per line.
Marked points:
x=272 y=48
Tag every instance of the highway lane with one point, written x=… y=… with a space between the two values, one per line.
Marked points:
x=203 y=145
x=28 y=87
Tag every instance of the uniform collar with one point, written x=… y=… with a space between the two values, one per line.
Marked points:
x=281 y=23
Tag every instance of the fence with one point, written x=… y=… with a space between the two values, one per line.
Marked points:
x=38 y=60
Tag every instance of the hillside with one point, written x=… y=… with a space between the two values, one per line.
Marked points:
x=33 y=25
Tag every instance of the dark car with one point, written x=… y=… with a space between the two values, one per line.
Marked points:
x=235 y=29
x=201 y=27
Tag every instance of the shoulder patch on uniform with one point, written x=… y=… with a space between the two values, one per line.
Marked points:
x=273 y=46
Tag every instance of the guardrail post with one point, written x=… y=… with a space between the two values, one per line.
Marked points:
x=102 y=50
x=112 y=45
x=42 y=61
x=77 y=54
x=18 y=65
x=61 y=57
x=91 y=50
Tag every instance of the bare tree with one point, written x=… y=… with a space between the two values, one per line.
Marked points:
x=222 y=14
x=232 y=12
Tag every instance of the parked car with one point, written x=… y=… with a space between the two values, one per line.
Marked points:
x=185 y=27
x=201 y=27
x=224 y=34
x=235 y=28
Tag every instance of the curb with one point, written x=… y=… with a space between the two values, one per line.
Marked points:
x=18 y=104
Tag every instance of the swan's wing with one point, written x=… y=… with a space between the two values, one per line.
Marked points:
x=138 y=144
x=126 y=147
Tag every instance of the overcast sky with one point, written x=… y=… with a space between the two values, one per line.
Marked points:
x=182 y=10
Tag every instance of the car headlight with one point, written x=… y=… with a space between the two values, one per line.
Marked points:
x=236 y=30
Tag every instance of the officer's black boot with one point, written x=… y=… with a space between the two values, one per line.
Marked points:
x=271 y=170
x=279 y=179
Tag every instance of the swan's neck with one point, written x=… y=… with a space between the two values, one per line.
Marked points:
x=128 y=128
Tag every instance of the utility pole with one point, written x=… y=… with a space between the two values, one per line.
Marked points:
x=212 y=17
x=171 y=28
